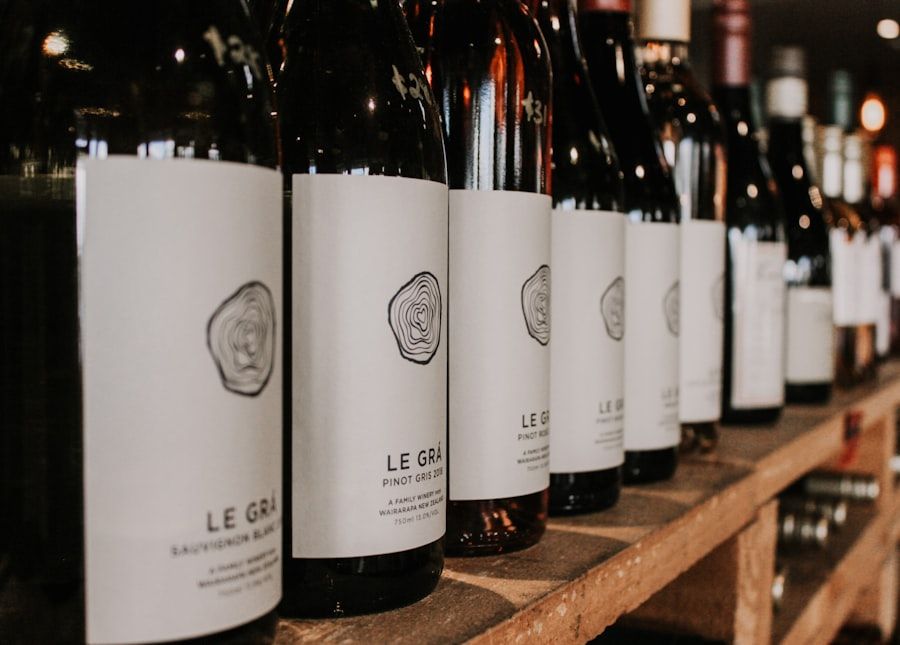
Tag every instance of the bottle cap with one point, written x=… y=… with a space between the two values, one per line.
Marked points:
x=731 y=33
x=665 y=20
x=786 y=97
x=788 y=60
x=604 y=5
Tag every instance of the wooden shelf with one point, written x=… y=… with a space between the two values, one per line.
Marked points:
x=590 y=570
x=822 y=586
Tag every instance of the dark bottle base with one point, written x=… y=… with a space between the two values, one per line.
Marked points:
x=331 y=587
x=646 y=466
x=492 y=526
x=759 y=416
x=699 y=436
x=574 y=493
x=808 y=393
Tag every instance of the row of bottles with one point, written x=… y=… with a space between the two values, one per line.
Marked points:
x=260 y=356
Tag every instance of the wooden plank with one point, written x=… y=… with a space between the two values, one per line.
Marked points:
x=877 y=603
x=579 y=579
x=727 y=595
x=823 y=585
x=806 y=436
x=590 y=570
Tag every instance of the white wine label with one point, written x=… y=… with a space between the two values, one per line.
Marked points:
x=871 y=277
x=702 y=320
x=895 y=269
x=810 y=336
x=757 y=358
x=181 y=281
x=845 y=272
x=587 y=356
x=883 y=324
x=500 y=335
x=651 y=336
x=369 y=364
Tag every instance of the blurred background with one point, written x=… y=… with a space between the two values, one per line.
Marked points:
x=860 y=36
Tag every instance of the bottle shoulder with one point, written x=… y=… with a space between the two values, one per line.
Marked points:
x=190 y=84
x=352 y=94
x=649 y=188
x=490 y=70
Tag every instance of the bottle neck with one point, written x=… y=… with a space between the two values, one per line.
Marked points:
x=612 y=24
x=786 y=136
x=733 y=101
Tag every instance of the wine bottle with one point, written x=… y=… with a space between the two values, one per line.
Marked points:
x=809 y=365
x=587 y=255
x=366 y=204
x=853 y=340
x=141 y=390
x=875 y=303
x=887 y=209
x=694 y=144
x=490 y=71
x=753 y=383
x=652 y=431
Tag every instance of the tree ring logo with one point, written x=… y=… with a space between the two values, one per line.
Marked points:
x=671 y=309
x=612 y=307
x=536 y=304
x=414 y=314
x=718 y=297
x=241 y=338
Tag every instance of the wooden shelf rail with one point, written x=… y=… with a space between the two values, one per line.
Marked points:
x=717 y=513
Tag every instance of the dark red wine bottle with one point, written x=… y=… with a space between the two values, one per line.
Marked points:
x=366 y=204
x=490 y=70
x=694 y=144
x=588 y=244
x=809 y=363
x=753 y=383
x=140 y=385
x=652 y=431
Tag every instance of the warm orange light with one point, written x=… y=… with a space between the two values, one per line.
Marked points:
x=873 y=114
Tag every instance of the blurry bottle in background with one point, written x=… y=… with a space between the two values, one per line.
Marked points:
x=753 y=383
x=809 y=365
x=588 y=259
x=854 y=341
x=887 y=209
x=652 y=432
x=693 y=141
x=873 y=308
